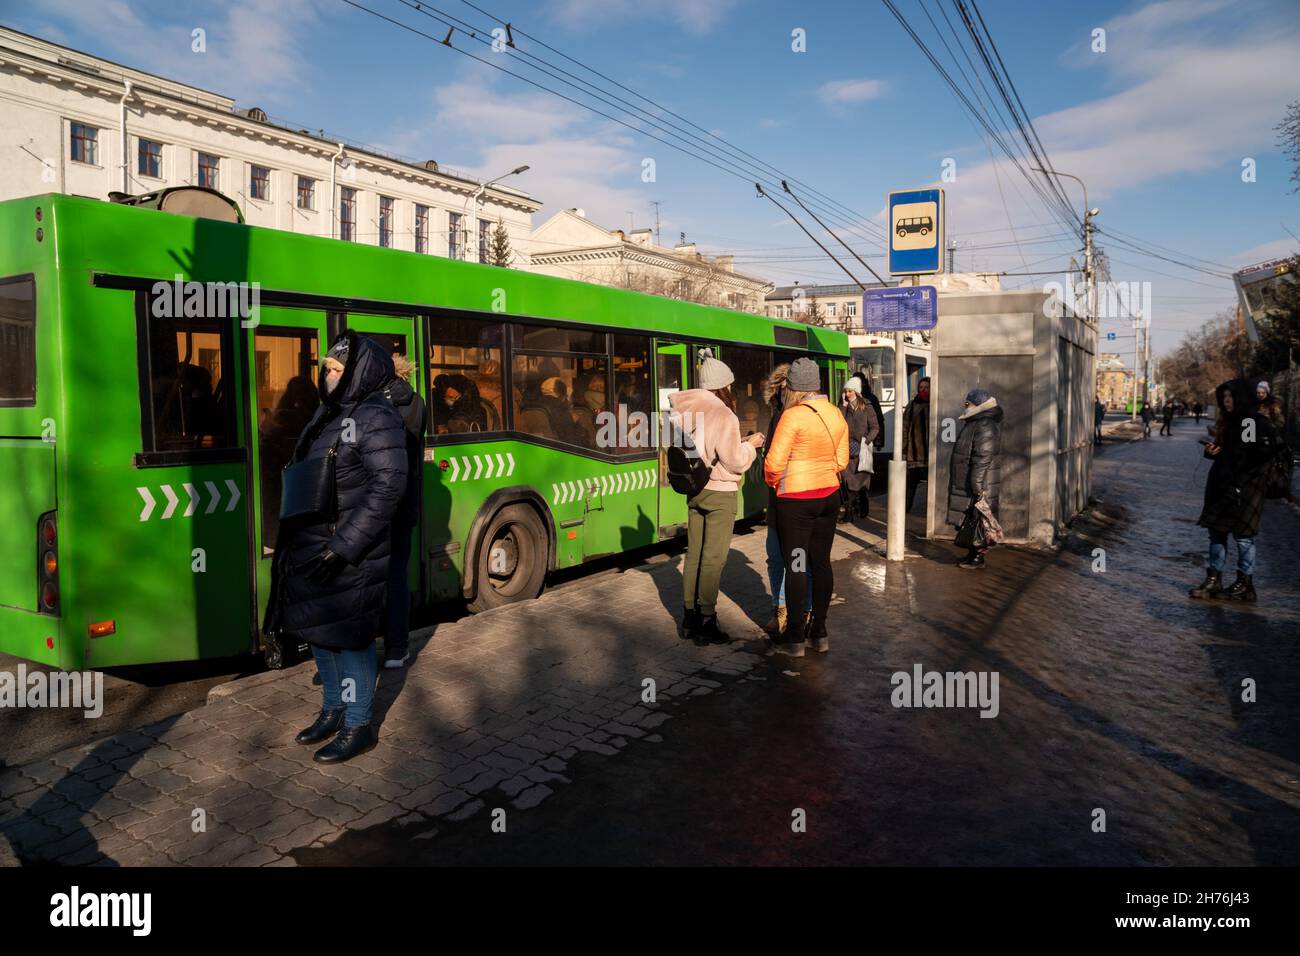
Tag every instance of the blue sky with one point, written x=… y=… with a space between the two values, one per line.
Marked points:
x=1158 y=124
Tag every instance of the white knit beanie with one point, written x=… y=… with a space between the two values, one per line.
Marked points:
x=853 y=385
x=713 y=374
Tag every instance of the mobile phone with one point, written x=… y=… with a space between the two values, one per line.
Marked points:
x=1202 y=441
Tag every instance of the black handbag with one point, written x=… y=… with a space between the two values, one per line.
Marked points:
x=308 y=494
x=686 y=475
x=969 y=532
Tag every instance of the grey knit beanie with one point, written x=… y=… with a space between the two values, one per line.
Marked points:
x=804 y=376
x=713 y=374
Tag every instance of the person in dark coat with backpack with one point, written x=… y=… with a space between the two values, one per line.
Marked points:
x=1243 y=446
x=333 y=575
x=976 y=468
x=415 y=418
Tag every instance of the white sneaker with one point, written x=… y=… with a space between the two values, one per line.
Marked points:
x=390 y=664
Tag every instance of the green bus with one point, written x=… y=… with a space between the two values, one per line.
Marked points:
x=145 y=419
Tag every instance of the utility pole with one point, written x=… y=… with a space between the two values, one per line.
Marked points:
x=1137 y=338
x=656 y=203
x=952 y=254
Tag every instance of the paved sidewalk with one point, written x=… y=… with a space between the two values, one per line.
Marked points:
x=491 y=707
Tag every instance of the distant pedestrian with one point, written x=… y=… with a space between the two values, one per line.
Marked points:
x=976 y=471
x=1270 y=407
x=330 y=570
x=869 y=396
x=1235 y=489
x=1167 y=420
x=863 y=428
x=707 y=417
x=415 y=418
x=1147 y=416
x=1098 y=416
x=1198 y=409
x=809 y=450
x=916 y=438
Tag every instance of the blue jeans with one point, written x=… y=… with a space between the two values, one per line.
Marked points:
x=358 y=666
x=776 y=566
x=1219 y=553
x=398 y=634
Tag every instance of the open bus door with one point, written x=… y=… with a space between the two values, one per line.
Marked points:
x=672 y=374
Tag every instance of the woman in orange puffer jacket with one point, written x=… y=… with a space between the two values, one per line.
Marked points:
x=804 y=461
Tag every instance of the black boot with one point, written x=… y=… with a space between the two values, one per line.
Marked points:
x=1242 y=589
x=708 y=631
x=327 y=724
x=817 y=638
x=351 y=742
x=690 y=623
x=973 y=561
x=1210 y=588
x=847 y=512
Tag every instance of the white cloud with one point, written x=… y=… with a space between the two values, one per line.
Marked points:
x=693 y=16
x=838 y=92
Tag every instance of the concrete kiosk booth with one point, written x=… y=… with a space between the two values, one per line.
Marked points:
x=1037 y=359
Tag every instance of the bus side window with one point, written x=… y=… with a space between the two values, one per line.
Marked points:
x=191 y=405
x=18 y=341
x=465 y=376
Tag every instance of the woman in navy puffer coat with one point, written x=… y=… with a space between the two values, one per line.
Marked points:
x=333 y=576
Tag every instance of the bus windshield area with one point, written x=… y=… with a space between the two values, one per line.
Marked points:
x=879 y=363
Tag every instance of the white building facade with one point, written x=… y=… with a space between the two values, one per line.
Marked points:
x=571 y=246
x=62 y=113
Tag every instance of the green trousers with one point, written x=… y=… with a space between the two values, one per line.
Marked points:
x=710 y=522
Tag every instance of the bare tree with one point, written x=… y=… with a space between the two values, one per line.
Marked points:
x=1289 y=139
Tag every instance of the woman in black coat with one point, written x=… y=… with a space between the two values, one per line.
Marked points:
x=332 y=576
x=863 y=426
x=976 y=468
x=1243 y=444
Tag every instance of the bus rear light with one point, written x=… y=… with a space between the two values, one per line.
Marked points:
x=47 y=564
x=49 y=643
x=103 y=628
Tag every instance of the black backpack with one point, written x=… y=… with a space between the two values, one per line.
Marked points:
x=687 y=475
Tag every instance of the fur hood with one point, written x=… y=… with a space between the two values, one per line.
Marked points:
x=982 y=407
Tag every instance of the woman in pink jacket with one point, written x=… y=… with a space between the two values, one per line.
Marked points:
x=707 y=416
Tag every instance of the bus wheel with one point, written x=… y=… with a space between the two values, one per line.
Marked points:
x=511 y=559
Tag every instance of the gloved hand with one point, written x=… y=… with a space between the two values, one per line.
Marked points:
x=322 y=568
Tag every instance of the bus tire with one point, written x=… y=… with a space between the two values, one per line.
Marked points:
x=511 y=556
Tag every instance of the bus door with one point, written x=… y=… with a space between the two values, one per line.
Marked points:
x=399 y=335
x=284 y=352
x=672 y=370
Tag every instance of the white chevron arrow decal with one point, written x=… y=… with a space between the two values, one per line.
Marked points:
x=501 y=466
x=194 y=500
x=489 y=466
x=555 y=493
x=214 y=496
x=172 y=501
x=478 y=467
x=149 y=503
x=511 y=459
x=455 y=468
x=234 y=495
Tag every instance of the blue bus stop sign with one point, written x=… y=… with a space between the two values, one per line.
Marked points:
x=904 y=309
x=916 y=232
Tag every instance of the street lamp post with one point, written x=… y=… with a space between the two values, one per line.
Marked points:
x=478 y=194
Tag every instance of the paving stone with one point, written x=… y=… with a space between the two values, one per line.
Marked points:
x=445 y=803
x=378 y=816
x=261 y=856
x=467 y=811
x=303 y=836
x=594 y=747
x=532 y=797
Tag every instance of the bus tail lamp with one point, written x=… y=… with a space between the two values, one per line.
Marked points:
x=103 y=628
x=47 y=564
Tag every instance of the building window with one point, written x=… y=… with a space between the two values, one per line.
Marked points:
x=421 y=228
x=306 y=193
x=348 y=214
x=208 y=169
x=85 y=144
x=465 y=389
x=150 y=159
x=851 y=309
x=453 y=235
x=385 y=222
x=830 y=310
x=259 y=183
x=17 y=341
x=484 y=230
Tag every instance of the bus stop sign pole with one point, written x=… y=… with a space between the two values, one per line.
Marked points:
x=897 y=513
